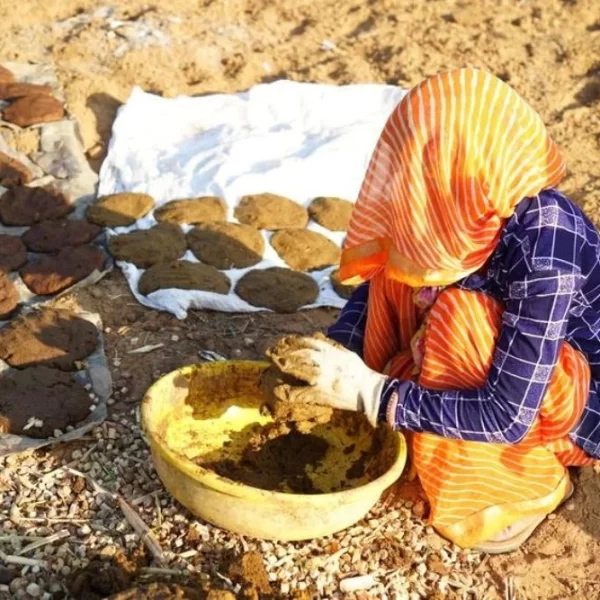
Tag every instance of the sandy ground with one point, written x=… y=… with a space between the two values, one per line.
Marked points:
x=548 y=49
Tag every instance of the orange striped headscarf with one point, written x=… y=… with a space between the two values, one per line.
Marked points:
x=456 y=156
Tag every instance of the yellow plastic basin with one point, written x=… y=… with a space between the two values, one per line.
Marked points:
x=182 y=425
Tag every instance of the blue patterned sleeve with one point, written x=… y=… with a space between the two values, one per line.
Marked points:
x=543 y=281
x=349 y=329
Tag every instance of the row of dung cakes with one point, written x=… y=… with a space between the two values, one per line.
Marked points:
x=53 y=377
x=220 y=245
x=42 y=251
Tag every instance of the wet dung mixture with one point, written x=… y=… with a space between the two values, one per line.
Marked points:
x=271 y=212
x=184 y=275
x=144 y=248
x=276 y=464
x=119 y=210
x=305 y=250
x=278 y=289
x=226 y=245
x=192 y=211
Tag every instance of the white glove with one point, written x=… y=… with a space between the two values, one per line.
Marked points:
x=340 y=376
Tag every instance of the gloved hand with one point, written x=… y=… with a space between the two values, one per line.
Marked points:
x=340 y=376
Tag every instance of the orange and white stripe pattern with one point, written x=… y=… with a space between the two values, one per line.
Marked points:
x=476 y=489
x=458 y=153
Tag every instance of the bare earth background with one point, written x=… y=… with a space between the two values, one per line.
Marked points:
x=549 y=50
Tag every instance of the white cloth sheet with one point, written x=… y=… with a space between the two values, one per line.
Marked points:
x=299 y=140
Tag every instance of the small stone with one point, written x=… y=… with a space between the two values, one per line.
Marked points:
x=34 y=590
x=6 y=575
x=85 y=530
x=551 y=517
x=174 y=338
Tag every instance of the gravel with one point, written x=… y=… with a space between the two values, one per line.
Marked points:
x=56 y=522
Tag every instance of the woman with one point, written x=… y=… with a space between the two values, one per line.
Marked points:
x=478 y=317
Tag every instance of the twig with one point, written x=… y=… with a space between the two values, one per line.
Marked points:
x=510 y=589
x=8 y=559
x=59 y=535
x=159 y=571
x=21 y=538
x=158 y=510
x=132 y=517
x=58 y=520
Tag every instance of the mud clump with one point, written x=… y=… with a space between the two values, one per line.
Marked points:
x=51 y=236
x=13 y=253
x=332 y=213
x=13 y=172
x=226 y=245
x=271 y=212
x=9 y=297
x=54 y=273
x=147 y=247
x=184 y=275
x=6 y=75
x=284 y=394
x=31 y=110
x=277 y=289
x=305 y=250
x=119 y=210
x=275 y=460
x=24 y=206
x=165 y=591
x=52 y=337
x=341 y=289
x=248 y=571
x=12 y=90
x=286 y=386
x=50 y=396
x=192 y=211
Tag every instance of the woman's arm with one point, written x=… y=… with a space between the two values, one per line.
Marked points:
x=349 y=329
x=533 y=328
